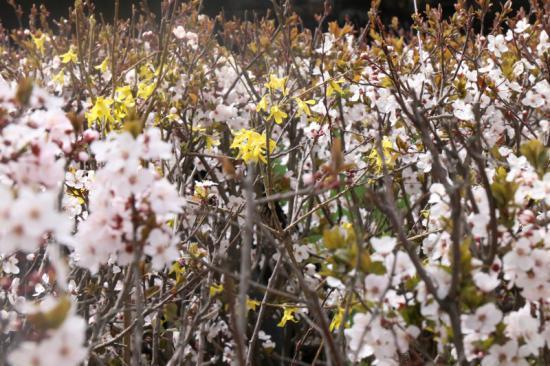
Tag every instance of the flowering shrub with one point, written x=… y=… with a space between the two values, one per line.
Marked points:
x=175 y=193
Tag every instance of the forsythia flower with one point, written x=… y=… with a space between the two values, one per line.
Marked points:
x=276 y=83
x=39 y=42
x=252 y=304
x=337 y=320
x=303 y=106
x=69 y=56
x=144 y=90
x=103 y=65
x=59 y=78
x=252 y=146
x=124 y=95
x=288 y=315
x=216 y=289
x=146 y=73
x=262 y=105
x=101 y=110
x=277 y=114
x=389 y=158
x=334 y=86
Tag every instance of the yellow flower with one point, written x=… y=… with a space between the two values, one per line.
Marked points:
x=276 y=83
x=337 y=320
x=69 y=56
x=334 y=86
x=262 y=105
x=101 y=110
x=103 y=65
x=389 y=156
x=216 y=289
x=252 y=146
x=211 y=141
x=144 y=90
x=252 y=304
x=123 y=94
x=277 y=114
x=59 y=78
x=39 y=42
x=120 y=112
x=145 y=72
x=201 y=192
x=288 y=315
x=303 y=106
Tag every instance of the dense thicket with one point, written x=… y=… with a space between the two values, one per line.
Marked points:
x=188 y=190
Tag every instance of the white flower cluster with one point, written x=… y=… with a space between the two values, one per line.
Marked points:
x=124 y=190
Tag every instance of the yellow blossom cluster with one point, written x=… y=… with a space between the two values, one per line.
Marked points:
x=252 y=146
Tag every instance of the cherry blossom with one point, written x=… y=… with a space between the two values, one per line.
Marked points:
x=506 y=354
x=462 y=110
x=383 y=245
x=484 y=321
x=497 y=44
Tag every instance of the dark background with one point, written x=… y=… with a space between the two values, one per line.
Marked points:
x=353 y=10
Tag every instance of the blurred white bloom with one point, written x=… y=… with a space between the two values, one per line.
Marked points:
x=463 y=110
x=484 y=320
x=506 y=354
x=383 y=245
x=497 y=45
x=161 y=248
x=486 y=282
x=10 y=265
x=522 y=25
x=62 y=346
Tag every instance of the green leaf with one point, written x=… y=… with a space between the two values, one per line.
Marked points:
x=376 y=268
x=333 y=238
x=537 y=154
x=52 y=318
x=170 y=312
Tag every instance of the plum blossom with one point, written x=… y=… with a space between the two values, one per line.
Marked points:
x=539 y=96
x=368 y=336
x=541 y=189
x=9 y=265
x=497 y=45
x=522 y=324
x=486 y=282
x=375 y=286
x=506 y=354
x=28 y=218
x=79 y=179
x=301 y=252
x=266 y=340
x=161 y=248
x=522 y=25
x=64 y=346
x=462 y=110
x=164 y=198
x=519 y=258
x=403 y=268
x=543 y=44
x=484 y=321
x=424 y=162
x=107 y=230
x=383 y=245
x=190 y=38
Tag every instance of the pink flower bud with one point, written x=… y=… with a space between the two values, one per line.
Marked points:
x=90 y=135
x=83 y=156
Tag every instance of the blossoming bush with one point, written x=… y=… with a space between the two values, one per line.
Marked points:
x=207 y=191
